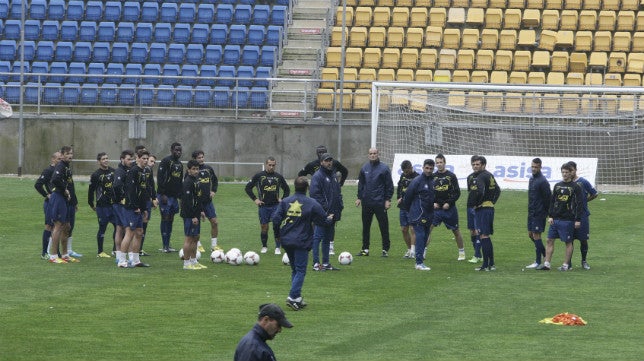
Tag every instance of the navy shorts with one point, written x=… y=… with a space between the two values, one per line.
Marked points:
x=134 y=220
x=265 y=213
x=404 y=218
x=170 y=208
x=583 y=232
x=536 y=224
x=485 y=220
x=105 y=215
x=191 y=230
x=46 y=208
x=449 y=217
x=58 y=208
x=209 y=210
x=119 y=216
x=471 y=218
x=562 y=229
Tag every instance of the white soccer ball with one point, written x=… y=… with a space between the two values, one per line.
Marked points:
x=235 y=250
x=234 y=257
x=285 y=259
x=251 y=258
x=345 y=258
x=217 y=256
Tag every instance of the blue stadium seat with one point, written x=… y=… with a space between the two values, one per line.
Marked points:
x=89 y=94
x=120 y=52
x=58 y=71
x=242 y=14
x=237 y=34
x=176 y=53
x=8 y=49
x=108 y=94
x=268 y=56
x=249 y=2
x=64 y=51
x=69 y=30
x=12 y=92
x=248 y=72
x=51 y=93
x=279 y=15
x=97 y=72
x=226 y=71
x=165 y=95
x=5 y=67
x=169 y=71
x=261 y=15
x=94 y=11
x=224 y=14
x=282 y=2
x=134 y=72
x=127 y=94
x=32 y=92
x=1 y=89
x=189 y=72
x=75 y=10
x=221 y=97
x=38 y=9
x=12 y=29
x=240 y=97
x=258 y=97
x=168 y=12
x=101 y=52
x=256 y=34
x=125 y=32
x=261 y=74
x=206 y=13
x=56 y=10
x=218 y=34
x=212 y=56
x=87 y=31
x=45 y=50
x=82 y=51
x=145 y=94
x=75 y=72
x=30 y=50
x=114 y=73
x=157 y=53
x=206 y=72
x=4 y=9
x=71 y=93
x=194 y=54
x=231 y=55
x=183 y=96
x=106 y=31
x=227 y=1
x=150 y=12
x=153 y=71
x=187 y=13
x=250 y=55
x=131 y=11
x=274 y=35
x=203 y=96
x=32 y=29
x=39 y=69
x=181 y=33
x=50 y=30
x=143 y=33
x=112 y=11
x=200 y=34
x=162 y=32
x=139 y=53
x=15 y=10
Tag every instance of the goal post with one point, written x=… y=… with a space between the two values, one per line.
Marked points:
x=507 y=120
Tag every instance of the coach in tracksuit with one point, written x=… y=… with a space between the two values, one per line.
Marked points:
x=419 y=203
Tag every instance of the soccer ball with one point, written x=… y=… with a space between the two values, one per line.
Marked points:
x=251 y=258
x=217 y=256
x=285 y=260
x=234 y=257
x=345 y=258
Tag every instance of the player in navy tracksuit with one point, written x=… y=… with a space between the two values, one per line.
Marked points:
x=43 y=187
x=408 y=174
x=169 y=181
x=192 y=204
x=486 y=193
x=539 y=194
x=63 y=203
x=100 y=189
x=419 y=203
x=588 y=193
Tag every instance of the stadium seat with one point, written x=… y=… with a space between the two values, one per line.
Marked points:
x=527 y=39
x=187 y=13
x=409 y=58
x=442 y=76
x=587 y=20
x=45 y=50
x=381 y=16
x=240 y=97
x=32 y=29
x=626 y=20
x=424 y=75
x=548 y=40
x=377 y=37
x=206 y=72
x=452 y=39
x=51 y=93
x=250 y=55
x=56 y=10
x=94 y=11
x=108 y=94
x=598 y=61
x=362 y=17
x=573 y=78
x=358 y=36
x=143 y=33
x=139 y=53
x=559 y=61
x=593 y=79
x=578 y=62
x=126 y=94
x=87 y=31
x=194 y=53
x=638 y=42
x=433 y=37
x=29 y=50
x=446 y=59
x=259 y=98
x=613 y=79
x=456 y=17
x=202 y=96
x=269 y=56
x=96 y=72
x=353 y=57
x=176 y=53
x=151 y=74
x=106 y=31
x=75 y=10
x=12 y=92
x=261 y=15
x=189 y=72
x=536 y=77
x=49 y=30
x=114 y=73
x=75 y=72
x=8 y=49
x=32 y=92
x=237 y=34
x=607 y=20
x=125 y=32
x=213 y=54
x=183 y=96
x=541 y=60
x=417 y=18
x=518 y=77
x=550 y=20
x=63 y=52
x=69 y=30
x=231 y=55
x=224 y=14
x=168 y=12
x=371 y=58
x=5 y=67
x=245 y=76
x=279 y=15
x=603 y=41
x=617 y=62
x=465 y=59
x=489 y=39
x=566 y=38
x=325 y=99
x=221 y=97
x=622 y=41
x=205 y=13
x=218 y=34
x=131 y=11
x=165 y=95
x=133 y=73
x=70 y=93
x=58 y=72
x=482 y=4
x=395 y=37
x=470 y=39
x=101 y=52
x=162 y=32
x=390 y=58
x=503 y=60
x=112 y=11
x=256 y=35
x=512 y=19
x=569 y=20
x=333 y=56
x=242 y=14
x=437 y=16
x=415 y=37
x=428 y=59
x=181 y=33
x=170 y=74
x=508 y=39
x=475 y=17
x=145 y=95
x=12 y=29
x=493 y=18
x=15 y=10
x=329 y=77
x=157 y=53
x=82 y=52
x=199 y=34
x=150 y=12
x=226 y=73
x=522 y=60
x=632 y=80
x=484 y=59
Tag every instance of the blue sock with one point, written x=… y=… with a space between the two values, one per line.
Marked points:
x=486 y=247
x=165 y=235
x=264 y=238
x=540 y=250
x=45 y=240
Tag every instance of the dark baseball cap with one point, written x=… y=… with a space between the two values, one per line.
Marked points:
x=326 y=156
x=275 y=312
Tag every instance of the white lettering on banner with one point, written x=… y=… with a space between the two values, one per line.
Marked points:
x=511 y=172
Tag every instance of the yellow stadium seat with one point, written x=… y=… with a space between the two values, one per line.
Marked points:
x=494 y=100
x=352 y=3
x=400 y=17
x=630 y=5
x=531 y=18
x=470 y=39
x=479 y=76
x=555 y=77
x=377 y=36
x=389 y=3
x=610 y=103
x=442 y=3
x=371 y=3
x=573 y=78
x=541 y=59
x=442 y=76
x=578 y=62
x=484 y=59
x=514 y=102
x=428 y=59
x=554 y=4
x=550 y=20
x=498 y=77
x=386 y=75
x=598 y=60
x=522 y=60
x=349 y=16
x=518 y=77
x=415 y=38
x=336 y=36
x=350 y=78
x=512 y=19
x=418 y=17
x=613 y=79
x=418 y=101
x=325 y=99
x=446 y=59
x=489 y=39
x=362 y=99
x=437 y=17
x=409 y=58
x=476 y=101
x=559 y=61
x=460 y=3
x=500 y=4
x=565 y=39
x=456 y=99
x=362 y=16
x=493 y=18
x=573 y=4
x=622 y=41
x=344 y=98
x=329 y=77
x=503 y=60
x=353 y=57
x=395 y=37
x=617 y=62
x=406 y=3
x=570 y=103
x=640 y=21
x=635 y=63
x=508 y=39
x=422 y=3
x=550 y=103
x=587 y=20
x=424 y=75
x=516 y=4
x=456 y=17
x=548 y=40
x=536 y=77
x=358 y=36
x=535 y=4
x=371 y=58
x=405 y=75
x=333 y=56
x=527 y=39
x=391 y=58
x=627 y=103
x=569 y=20
x=584 y=40
x=611 y=5
x=461 y=76
x=434 y=36
x=592 y=4
x=638 y=42
x=479 y=4
x=632 y=80
x=465 y=59
x=475 y=17
x=593 y=79
x=381 y=16
x=626 y=20
x=607 y=20
x=366 y=76
x=603 y=41
x=452 y=38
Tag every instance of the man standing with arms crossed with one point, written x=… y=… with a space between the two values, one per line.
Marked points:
x=487 y=192
x=100 y=188
x=539 y=195
x=169 y=182
x=43 y=187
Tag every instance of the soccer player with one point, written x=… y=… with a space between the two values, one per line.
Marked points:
x=152 y=202
x=487 y=192
x=268 y=184
x=419 y=202
x=583 y=232
x=375 y=189
x=564 y=216
x=63 y=205
x=446 y=193
x=100 y=188
x=43 y=187
x=191 y=208
x=134 y=211
x=209 y=183
x=539 y=195
x=118 y=197
x=169 y=182
x=471 y=214
x=408 y=174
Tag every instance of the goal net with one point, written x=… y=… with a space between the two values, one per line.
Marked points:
x=517 y=122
